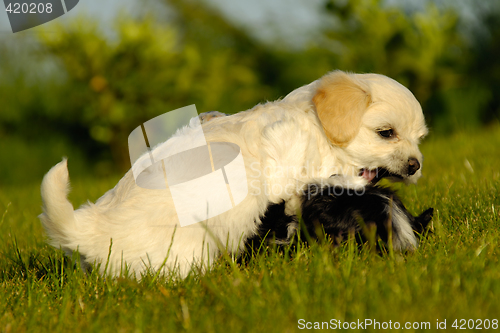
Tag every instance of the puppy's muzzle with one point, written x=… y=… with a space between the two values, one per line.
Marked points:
x=413 y=166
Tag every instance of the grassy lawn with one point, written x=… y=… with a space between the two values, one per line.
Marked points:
x=455 y=274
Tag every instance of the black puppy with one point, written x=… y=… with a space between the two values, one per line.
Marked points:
x=338 y=211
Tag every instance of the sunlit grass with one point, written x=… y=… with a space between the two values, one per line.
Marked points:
x=454 y=275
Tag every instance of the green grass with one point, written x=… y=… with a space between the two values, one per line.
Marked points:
x=454 y=275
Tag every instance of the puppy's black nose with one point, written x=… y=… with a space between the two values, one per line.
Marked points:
x=413 y=166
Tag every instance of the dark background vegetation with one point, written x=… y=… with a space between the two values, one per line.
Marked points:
x=79 y=92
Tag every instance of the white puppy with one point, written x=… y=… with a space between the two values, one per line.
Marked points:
x=361 y=126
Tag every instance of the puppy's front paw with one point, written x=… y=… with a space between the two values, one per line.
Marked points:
x=423 y=221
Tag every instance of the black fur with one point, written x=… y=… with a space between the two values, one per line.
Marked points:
x=337 y=212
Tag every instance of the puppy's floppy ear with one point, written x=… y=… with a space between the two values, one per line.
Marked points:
x=341 y=101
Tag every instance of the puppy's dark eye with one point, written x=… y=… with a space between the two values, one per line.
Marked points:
x=389 y=133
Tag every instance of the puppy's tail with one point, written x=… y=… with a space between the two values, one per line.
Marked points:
x=58 y=217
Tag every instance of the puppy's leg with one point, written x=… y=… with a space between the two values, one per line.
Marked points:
x=422 y=221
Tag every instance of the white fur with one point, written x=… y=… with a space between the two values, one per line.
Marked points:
x=403 y=235
x=284 y=146
x=397 y=108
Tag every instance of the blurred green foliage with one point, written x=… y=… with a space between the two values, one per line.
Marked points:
x=113 y=86
x=422 y=50
x=91 y=90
